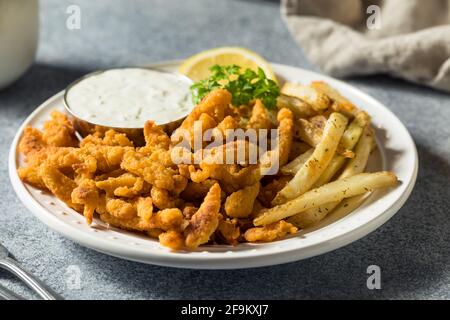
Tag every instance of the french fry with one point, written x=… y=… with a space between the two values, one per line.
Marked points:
x=319 y=101
x=292 y=167
x=312 y=217
x=362 y=152
x=348 y=141
x=330 y=192
x=308 y=174
x=300 y=108
x=354 y=166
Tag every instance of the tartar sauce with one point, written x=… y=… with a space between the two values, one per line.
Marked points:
x=127 y=98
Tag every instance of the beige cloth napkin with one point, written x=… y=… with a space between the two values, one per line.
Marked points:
x=408 y=38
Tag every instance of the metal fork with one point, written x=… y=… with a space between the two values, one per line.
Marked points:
x=15 y=268
x=6 y=294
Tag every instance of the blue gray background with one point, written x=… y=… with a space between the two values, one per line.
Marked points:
x=412 y=249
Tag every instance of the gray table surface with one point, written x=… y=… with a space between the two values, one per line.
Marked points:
x=412 y=249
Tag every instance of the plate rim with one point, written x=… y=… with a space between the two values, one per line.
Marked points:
x=207 y=261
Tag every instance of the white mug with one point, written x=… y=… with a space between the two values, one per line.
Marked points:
x=19 y=30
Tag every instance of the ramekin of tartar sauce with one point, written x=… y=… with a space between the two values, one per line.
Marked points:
x=125 y=98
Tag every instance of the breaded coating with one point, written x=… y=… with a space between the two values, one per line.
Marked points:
x=144 y=208
x=271 y=232
x=121 y=209
x=126 y=185
x=172 y=239
x=285 y=119
x=155 y=168
x=59 y=131
x=229 y=231
x=189 y=211
x=31 y=141
x=134 y=224
x=168 y=219
x=86 y=193
x=240 y=203
x=108 y=158
x=155 y=137
x=197 y=190
x=215 y=105
x=162 y=199
x=205 y=221
x=58 y=184
x=260 y=117
x=108 y=138
x=227 y=124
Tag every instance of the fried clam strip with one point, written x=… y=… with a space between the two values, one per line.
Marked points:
x=317 y=163
x=215 y=105
x=205 y=221
x=155 y=137
x=108 y=138
x=139 y=216
x=153 y=161
x=126 y=185
x=222 y=164
x=239 y=204
x=229 y=231
x=31 y=142
x=260 y=117
x=354 y=166
x=162 y=199
x=286 y=134
x=59 y=131
x=330 y=192
x=86 y=194
x=38 y=145
x=270 y=161
x=156 y=167
x=58 y=184
x=270 y=232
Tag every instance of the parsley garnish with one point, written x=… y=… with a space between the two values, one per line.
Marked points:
x=243 y=86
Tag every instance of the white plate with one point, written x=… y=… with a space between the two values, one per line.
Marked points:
x=396 y=153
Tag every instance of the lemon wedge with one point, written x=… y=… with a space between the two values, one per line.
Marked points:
x=197 y=66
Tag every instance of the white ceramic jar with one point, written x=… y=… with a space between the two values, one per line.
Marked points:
x=19 y=30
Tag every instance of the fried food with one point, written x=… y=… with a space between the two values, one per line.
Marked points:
x=205 y=221
x=317 y=99
x=286 y=135
x=333 y=191
x=260 y=117
x=271 y=232
x=138 y=185
x=86 y=193
x=59 y=131
x=239 y=204
x=229 y=231
x=317 y=163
